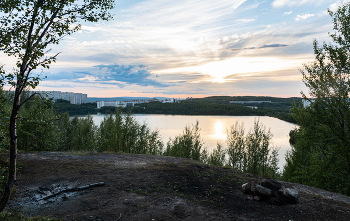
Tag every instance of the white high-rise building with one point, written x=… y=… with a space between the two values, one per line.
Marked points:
x=73 y=98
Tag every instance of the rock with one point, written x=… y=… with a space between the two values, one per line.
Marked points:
x=271 y=184
x=262 y=191
x=253 y=187
x=272 y=191
x=257 y=198
x=292 y=195
x=280 y=196
x=246 y=188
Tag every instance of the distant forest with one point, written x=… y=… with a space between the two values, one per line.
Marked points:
x=214 y=105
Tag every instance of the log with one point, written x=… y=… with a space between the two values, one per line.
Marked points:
x=74 y=189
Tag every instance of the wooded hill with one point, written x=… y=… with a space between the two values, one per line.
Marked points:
x=214 y=105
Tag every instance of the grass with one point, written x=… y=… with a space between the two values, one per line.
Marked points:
x=17 y=215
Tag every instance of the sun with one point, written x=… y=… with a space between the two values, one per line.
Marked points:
x=236 y=68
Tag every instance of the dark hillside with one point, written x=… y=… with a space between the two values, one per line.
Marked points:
x=147 y=187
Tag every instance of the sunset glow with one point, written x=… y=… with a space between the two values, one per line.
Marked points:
x=193 y=48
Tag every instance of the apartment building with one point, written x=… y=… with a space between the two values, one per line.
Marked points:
x=120 y=103
x=73 y=98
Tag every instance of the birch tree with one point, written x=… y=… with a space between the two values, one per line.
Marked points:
x=27 y=29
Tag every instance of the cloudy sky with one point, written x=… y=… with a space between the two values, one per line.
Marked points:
x=193 y=48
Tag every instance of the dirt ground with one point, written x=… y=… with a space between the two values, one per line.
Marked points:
x=144 y=187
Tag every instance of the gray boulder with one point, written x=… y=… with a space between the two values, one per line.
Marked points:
x=246 y=188
x=292 y=195
x=272 y=191
x=271 y=184
x=263 y=192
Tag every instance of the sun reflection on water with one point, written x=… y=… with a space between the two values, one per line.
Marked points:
x=219 y=131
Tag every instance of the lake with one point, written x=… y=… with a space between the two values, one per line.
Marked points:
x=213 y=128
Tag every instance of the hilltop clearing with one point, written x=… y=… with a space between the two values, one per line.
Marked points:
x=147 y=187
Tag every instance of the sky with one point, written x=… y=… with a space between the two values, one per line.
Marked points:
x=192 y=48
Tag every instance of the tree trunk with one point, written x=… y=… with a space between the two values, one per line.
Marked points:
x=13 y=151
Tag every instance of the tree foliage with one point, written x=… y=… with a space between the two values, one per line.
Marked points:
x=29 y=27
x=122 y=133
x=252 y=153
x=217 y=157
x=4 y=113
x=321 y=145
x=37 y=125
x=188 y=145
x=220 y=105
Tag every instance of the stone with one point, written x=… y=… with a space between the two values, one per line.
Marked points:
x=272 y=191
x=257 y=198
x=271 y=184
x=253 y=187
x=246 y=188
x=262 y=191
x=292 y=195
x=278 y=195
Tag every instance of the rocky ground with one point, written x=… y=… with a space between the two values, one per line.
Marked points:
x=143 y=187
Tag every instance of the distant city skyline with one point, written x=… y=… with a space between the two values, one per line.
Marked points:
x=191 y=48
x=73 y=98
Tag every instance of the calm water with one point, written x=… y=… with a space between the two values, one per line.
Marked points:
x=213 y=128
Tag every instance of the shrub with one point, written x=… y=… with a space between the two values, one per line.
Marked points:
x=254 y=152
x=188 y=145
x=122 y=133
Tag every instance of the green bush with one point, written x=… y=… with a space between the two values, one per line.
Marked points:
x=37 y=129
x=217 y=157
x=122 y=133
x=188 y=145
x=252 y=153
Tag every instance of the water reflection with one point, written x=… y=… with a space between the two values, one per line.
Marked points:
x=219 y=131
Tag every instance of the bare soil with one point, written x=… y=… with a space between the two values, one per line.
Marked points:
x=146 y=187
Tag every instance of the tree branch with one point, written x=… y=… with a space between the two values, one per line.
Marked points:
x=30 y=97
x=53 y=16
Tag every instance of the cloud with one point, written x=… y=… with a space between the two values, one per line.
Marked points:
x=245 y=20
x=65 y=76
x=282 y=3
x=274 y=46
x=264 y=46
x=288 y=13
x=251 y=6
x=128 y=74
x=179 y=77
x=116 y=75
x=333 y=7
x=303 y=17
